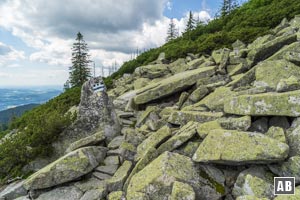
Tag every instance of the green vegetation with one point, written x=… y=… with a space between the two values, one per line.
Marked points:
x=37 y=129
x=253 y=19
x=7 y=115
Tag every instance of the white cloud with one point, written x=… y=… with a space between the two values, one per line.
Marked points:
x=8 y=53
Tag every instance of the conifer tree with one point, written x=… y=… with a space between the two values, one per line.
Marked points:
x=79 y=71
x=228 y=6
x=172 y=31
x=191 y=23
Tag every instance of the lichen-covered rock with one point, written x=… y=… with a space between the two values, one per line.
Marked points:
x=95 y=194
x=198 y=94
x=256 y=181
x=87 y=141
x=289 y=168
x=183 y=117
x=116 y=142
x=215 y=100
x=67 y=168
x=289 y=84
x=250 y=197
x=171 y=85
x=117 y=195
x=178 y=66
x=90 y=184
x=141 y=82
x=235 y=148
x=270 y=73
x=13 y=191
x=265 y=50
x=156 y=179
x=153 y=140
x=277 y=133
x=194 y=64
x=215 y=176
x=290 y=197
x=143 y=116
x=235 y=123
x=267 y=104
x=62 y=193
x=152 y=71
x=203 y=129
x=183 y=135
x=182 y=99
x=182 y=191
x=116 y=182
x=293 y=138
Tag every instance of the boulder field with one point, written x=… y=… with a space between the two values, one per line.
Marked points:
x=217 y=126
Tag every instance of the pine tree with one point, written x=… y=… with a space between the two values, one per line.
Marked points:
x=190 y=23
x=79 y=71
x=228 y=6
x=67 y=85
x=172 y=31
x=199 y=22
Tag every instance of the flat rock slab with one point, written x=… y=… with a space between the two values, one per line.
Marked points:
x=62 y=193
x=183 y=117
x=235 y=148
x=67 y=168
x=267 y=104
x=159 y=176
x=107 y=169
x=13 y=190
x=172 y=85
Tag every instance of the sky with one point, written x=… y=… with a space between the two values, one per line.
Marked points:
x=36 y=36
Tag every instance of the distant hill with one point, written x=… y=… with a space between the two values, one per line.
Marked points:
x=7 y=115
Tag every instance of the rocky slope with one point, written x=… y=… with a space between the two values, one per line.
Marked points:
x=204 y=127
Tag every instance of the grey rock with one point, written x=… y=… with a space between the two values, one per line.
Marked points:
x=90 y=184
x=67 y=168
x=107 y=169
x=101 y=176
x=289 y=168
x=62 y=193
x=96 y=113
x=13 y=190
x=116 y=142
x=112 y=160
x=257 y=181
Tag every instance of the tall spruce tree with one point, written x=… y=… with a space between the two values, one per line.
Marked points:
x=79 y=71
x=172 y=31
x=191 y=23
x=228 y=6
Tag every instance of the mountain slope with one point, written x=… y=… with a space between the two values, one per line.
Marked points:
x=253 y=19
x=7 y=115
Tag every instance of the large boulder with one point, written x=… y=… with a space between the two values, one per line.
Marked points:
x=171 y=85
x=62 y=193
x=96 y=113
x=269 y=73
x=13 y=191
x=267 y=104
x=152 y=71
x=289 y=168
x=67 y=168
x=231 y=147
x=256 y=181
x=183 y=117
x=265 y=50
x=155 y=181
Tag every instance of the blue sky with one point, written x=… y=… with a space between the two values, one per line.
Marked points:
x=36 y=35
